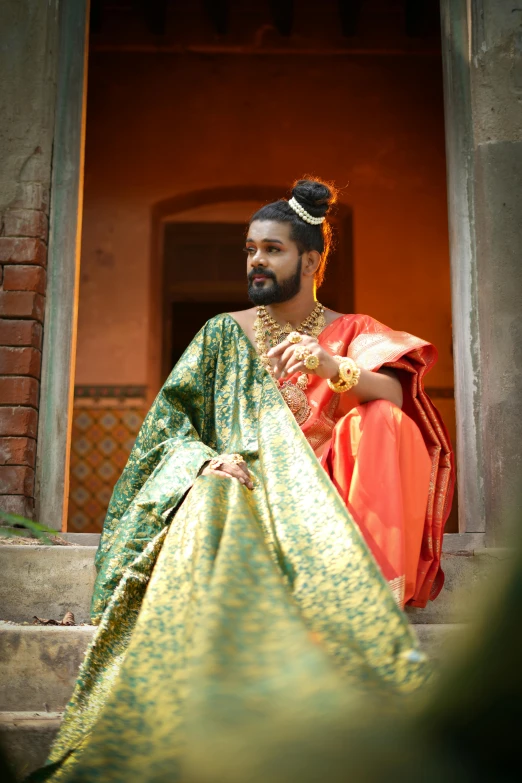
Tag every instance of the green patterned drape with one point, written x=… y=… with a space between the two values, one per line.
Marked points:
x=220 y=604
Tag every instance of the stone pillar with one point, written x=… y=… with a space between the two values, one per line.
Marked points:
x=28 y=66
x=482 y=48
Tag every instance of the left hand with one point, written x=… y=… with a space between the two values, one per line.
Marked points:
x=286 y=363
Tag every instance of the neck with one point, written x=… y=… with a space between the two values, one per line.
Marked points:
x=295 y=310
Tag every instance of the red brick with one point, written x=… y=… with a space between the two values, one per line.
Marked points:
x=18 y=451
x=24 y=278
x=17 y=332
x=18 y=421
x=14 y=250
x=20 y=361
x=32 y=195
x=25 y=223
x=19 y=391
x=22 y=304
x=17 y=504
x=16 y=480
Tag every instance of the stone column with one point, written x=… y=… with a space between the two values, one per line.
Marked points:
x=29 y=34
x=482 y=48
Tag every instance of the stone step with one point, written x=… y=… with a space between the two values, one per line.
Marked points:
x=39 y=664
x=48 y=581
x=38 y=670
x=26 y=738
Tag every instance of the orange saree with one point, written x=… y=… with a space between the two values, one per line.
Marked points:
x=393 y=467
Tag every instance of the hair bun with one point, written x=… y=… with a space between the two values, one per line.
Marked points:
x=314 y=195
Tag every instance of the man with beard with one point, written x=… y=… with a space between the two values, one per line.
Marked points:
x=221 y=601
x=356 y=390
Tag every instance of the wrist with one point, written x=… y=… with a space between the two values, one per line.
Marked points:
x=333 y=371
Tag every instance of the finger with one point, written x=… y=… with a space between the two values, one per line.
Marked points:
x=220 y=473
x=274 y=352
x=236 y=471
x=243 y=469
x=299 y=367
x=287 y=358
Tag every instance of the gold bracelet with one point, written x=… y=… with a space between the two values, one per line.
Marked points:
x=349 y=374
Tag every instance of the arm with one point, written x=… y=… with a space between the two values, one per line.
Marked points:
x=380 y=385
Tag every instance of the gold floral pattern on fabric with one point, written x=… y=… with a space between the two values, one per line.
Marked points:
x=372 y=350
x=214 y=601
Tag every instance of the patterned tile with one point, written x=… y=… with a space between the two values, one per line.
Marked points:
x=103 y=433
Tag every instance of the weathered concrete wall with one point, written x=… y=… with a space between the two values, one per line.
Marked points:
x=496 y=91
x=29 y=33
x=483 y=97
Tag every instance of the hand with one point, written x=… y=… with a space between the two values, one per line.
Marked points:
x=287 y=363
x=231 y=470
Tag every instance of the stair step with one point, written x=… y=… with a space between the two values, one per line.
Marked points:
x=39 y=665
x=48 y=581
x=26 y=738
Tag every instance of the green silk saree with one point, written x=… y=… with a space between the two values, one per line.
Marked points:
x=218 y=606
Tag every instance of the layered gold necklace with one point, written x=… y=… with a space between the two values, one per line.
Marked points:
x=268 y=332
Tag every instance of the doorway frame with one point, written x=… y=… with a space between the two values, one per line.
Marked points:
x=58 y=353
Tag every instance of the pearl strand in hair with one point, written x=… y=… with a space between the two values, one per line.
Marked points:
x=303 y=214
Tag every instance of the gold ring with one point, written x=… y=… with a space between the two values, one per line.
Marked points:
x=311 y=362
x=294 y=337
x=301 y=354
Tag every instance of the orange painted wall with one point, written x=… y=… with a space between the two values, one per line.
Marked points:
x=159 y=125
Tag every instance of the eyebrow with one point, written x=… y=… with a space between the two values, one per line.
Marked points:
x=273 y=241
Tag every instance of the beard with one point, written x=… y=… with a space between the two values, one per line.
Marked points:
x=276 y=292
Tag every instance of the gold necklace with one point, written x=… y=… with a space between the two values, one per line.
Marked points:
x=268 y=332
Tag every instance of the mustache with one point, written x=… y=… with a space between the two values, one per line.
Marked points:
x=259 y=270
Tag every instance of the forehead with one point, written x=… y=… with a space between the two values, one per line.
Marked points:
x=268 y=229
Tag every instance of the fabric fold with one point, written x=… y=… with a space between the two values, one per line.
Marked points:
x=210 y=600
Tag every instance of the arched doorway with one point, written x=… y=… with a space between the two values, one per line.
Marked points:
x=197 y=269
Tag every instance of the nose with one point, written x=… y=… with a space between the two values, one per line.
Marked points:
x=257 y=259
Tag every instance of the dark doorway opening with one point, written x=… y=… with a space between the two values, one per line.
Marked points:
x=204 y=274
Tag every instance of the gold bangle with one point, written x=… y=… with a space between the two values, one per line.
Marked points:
x=349 y=374
x=233 y=459
x=349 y=371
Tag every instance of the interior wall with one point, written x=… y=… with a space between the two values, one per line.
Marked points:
x=161 y=125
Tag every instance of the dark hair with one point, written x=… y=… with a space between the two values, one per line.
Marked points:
x=316 y=197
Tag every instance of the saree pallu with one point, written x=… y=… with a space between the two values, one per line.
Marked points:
x=219 y=607
x=393 y=468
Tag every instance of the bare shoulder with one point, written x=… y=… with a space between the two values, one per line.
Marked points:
x=331 y=315
x=245 y=318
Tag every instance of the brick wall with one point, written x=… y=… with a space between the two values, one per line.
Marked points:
x=23 y=257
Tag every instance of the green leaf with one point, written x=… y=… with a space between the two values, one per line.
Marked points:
x=35 y=528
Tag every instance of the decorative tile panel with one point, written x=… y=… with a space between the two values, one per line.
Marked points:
x=105 y=423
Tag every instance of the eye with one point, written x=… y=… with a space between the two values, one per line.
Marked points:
x=273 y=249
x=249 y=250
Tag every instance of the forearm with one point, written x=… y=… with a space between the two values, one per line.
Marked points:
x=381 y=385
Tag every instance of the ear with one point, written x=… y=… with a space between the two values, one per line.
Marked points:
x=311 y=261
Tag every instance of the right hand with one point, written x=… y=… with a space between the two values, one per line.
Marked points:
x=231 y=470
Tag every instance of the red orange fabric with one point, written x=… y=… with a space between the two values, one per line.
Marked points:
x=393 y=468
